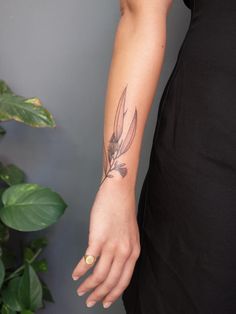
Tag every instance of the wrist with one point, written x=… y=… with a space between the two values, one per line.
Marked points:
x=125 y=184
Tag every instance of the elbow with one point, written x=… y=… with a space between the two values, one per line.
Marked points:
x=144 y=7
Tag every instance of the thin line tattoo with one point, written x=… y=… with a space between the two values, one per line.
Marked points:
x=119 y=144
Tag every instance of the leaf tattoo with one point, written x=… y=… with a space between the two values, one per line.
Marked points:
x=105 y=159
x=119 y=117
x=119 y=145
x=130 y=135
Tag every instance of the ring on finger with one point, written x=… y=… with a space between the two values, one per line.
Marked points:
x=89 y=259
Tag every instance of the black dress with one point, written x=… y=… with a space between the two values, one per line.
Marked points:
x=187 y=206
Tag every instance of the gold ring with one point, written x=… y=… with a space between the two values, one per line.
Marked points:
x=89 y=259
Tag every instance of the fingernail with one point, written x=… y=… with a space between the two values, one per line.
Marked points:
x=81 y=293
x=75 y=278
x=90 y=303
x=107 y=304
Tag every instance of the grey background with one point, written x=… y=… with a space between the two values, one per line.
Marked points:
x=60 y=51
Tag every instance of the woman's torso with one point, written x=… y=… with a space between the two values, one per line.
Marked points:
x=212 y=33
x=198 y=107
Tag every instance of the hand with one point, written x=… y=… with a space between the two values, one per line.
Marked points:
x=114 y=237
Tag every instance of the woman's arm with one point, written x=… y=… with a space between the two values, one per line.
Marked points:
x=134 y=73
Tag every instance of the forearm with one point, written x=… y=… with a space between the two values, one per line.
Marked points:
x=133 y=77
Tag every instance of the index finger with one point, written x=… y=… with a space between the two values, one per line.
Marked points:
x=82 y=267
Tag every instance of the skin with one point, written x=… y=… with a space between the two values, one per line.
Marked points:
x=136 y=64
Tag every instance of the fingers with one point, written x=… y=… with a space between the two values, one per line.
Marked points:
x=117 y=279
x=81 y=268
x=123 y=282
x=99 y=274
x=112 y=278
x=111 y=274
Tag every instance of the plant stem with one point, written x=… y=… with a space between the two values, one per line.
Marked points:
x=19 y=269
x=110 y=168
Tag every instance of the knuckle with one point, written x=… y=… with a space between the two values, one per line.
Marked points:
x=111 y=298
x=108 y=286
x=95 y=296
x=115 y=294
x=122 y=286
x=124 y=250
x=95 y=242
x=111 y=246
x=136 y=251
x=124 y=283
x=98 y=277
x=100 y=292
x=91 y=242
x=78 y=272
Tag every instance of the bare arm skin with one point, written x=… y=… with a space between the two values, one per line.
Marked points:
x=135 y=68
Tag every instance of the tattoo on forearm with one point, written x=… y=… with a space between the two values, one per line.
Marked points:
x=119 y=144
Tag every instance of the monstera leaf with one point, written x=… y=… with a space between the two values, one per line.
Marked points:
x=30 y=207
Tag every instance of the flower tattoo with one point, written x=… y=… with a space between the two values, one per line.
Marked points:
x=118 y=144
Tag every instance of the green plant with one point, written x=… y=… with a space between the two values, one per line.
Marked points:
x=24 y=207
